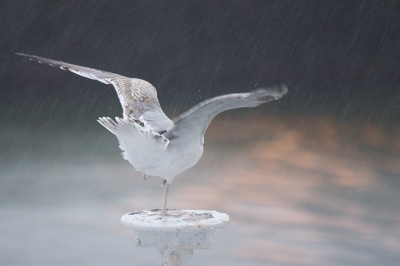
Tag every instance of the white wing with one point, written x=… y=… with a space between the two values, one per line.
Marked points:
x=190 y=126
x=138 y=97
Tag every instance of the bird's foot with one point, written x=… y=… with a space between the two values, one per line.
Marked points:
x=166 y=213
x=145 y=177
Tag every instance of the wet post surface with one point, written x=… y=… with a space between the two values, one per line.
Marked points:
x=177 y=235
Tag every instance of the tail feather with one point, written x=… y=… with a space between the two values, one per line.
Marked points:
x=109 y=124
x=143 y=148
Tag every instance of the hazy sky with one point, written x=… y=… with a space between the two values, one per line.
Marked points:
x=330 y=53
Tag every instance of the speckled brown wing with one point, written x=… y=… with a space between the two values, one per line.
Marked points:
x=140 y=103
x=138 y=97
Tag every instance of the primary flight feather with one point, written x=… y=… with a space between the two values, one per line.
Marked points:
x=154 y=144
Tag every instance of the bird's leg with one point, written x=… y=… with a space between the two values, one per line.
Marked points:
x=164 y=212
x=166 y=190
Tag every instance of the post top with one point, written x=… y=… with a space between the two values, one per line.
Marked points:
x=184 y=221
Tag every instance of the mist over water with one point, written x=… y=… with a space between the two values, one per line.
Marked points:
x=299 y=190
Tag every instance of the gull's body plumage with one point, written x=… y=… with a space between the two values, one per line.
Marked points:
x=154 y=144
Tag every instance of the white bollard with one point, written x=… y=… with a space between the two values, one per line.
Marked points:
x=175 y=237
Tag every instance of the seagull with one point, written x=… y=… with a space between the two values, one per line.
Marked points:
x=154 y=144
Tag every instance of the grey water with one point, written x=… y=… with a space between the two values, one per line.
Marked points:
x=300 y=190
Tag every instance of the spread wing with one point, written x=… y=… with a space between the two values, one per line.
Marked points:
x=138 y=97
x=192 y=124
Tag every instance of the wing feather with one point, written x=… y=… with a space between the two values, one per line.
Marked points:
x=138 y=97
x=194 y=122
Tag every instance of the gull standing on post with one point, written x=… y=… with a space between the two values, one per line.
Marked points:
x=154 y=144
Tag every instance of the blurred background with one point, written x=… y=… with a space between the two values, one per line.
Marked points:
x=311 y=179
